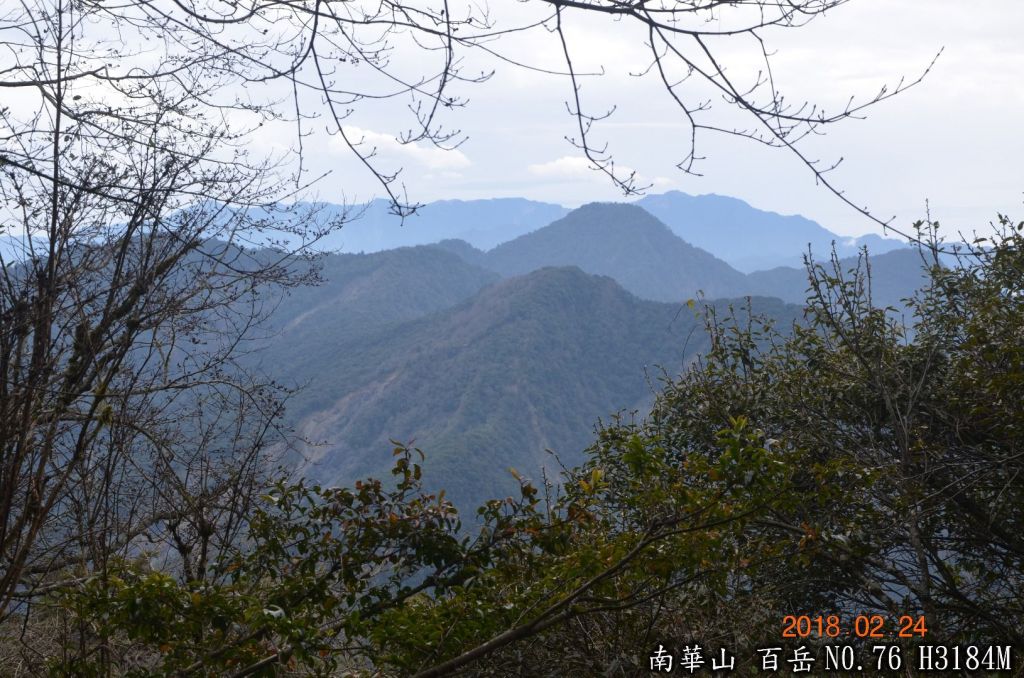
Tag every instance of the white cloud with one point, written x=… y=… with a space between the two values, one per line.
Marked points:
x=430 y=157
x=578 y=168
x=566 y=167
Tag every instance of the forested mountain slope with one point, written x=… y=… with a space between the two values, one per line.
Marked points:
x=360 y=293
x=527 y=364
x=423 y=344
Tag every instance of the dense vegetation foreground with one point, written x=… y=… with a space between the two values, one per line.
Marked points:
x=858 y=463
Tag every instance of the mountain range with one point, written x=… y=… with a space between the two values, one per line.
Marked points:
x=373 y=227
x=507 y=328
x=526 y=364
x=486 y=359
x=628 y=244
x=743 y=236
x=750 y=239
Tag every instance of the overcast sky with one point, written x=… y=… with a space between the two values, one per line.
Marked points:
x=956 y=140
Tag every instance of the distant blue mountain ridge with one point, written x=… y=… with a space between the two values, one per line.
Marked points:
x=747 y=238
x=750 y=239
x=374 y=228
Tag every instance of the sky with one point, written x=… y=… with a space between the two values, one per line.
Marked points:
x=952 y=145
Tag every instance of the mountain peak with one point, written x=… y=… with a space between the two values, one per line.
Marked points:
x=627 y=243
x=622 y=212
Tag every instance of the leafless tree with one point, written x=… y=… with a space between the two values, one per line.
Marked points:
x=121 y=405
x=128 y=285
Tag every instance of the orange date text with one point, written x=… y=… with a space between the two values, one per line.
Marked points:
x=860 y=626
